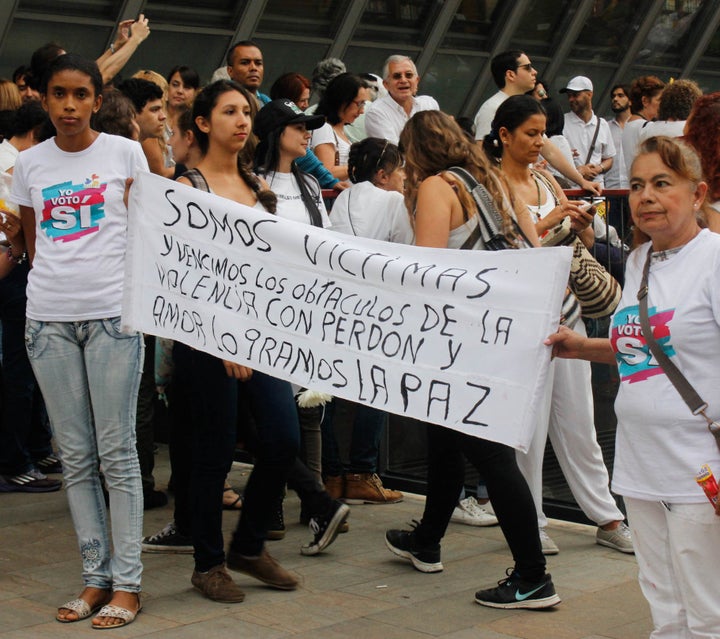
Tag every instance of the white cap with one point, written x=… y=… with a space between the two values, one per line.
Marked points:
x=578 y=83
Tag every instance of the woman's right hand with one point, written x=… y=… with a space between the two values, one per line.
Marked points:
x=238 y=371
x=566 y=343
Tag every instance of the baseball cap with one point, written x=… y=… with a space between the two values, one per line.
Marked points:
x=578 y=83
x=277 y=114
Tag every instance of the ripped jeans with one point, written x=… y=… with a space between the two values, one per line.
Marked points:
x=89 y=373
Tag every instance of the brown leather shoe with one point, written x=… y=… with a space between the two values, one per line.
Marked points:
x=264 y=568
x=217 y=584
x=367 y=488
x=335 y=485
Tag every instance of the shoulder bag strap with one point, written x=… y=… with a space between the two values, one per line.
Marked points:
x=695 y=403
x=197 y=179
x=592 y=144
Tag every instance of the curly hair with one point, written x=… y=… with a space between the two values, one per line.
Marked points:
x=646 y=86
x=433 y=142
x=704 y=119
x=677 y=100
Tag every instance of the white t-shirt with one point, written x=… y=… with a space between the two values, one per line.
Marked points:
x=289 y=200
x=80 y=226
x=385 y=118
x=580 y=134
x=673 y=129
x=486 y=114
x=564 y=147
x=630 y=140
x=368 y=211
x=8 y=155
x=660 y=445
x=326 y=135
x=616 y=177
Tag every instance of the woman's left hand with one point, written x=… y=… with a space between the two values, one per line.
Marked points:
x=580 y=218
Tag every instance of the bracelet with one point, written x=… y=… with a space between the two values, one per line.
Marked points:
x=112 y=48
x=17 y=259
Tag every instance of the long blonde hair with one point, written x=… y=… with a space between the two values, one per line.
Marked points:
x=432 y=142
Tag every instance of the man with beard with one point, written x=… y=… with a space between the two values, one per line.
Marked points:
x=616 y=177
x=588 y=134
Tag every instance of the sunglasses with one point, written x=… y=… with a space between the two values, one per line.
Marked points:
x=527 y=67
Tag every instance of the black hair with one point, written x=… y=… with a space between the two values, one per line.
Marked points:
x=555 y=117
x=189 y=76
x=341 y=91
x=267 y=160
x=7 y=121
x=116 y=114
x=185 y=121
x=370 y=155
x=23 y=71
x=73 y=62
x=242 y=43
x=621 y=85
x=29 y=116
x=204 y=103
x=510 y=115
x=40 y=63
x=503 y=62
x=140 y=92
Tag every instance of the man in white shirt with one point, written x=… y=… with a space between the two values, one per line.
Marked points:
x=514 y=74
x=616 y=177
x=386 y=117
x=588 y=134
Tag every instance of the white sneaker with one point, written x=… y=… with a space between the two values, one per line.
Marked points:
x=549 y=547
x=618 y=539
x=469 y=512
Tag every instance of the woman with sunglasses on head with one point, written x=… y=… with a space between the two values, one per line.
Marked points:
x=515 y=142
x=672 y=288
x=445 y=216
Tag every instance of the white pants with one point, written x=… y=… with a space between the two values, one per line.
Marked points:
x=678 y=551
x=567 y=417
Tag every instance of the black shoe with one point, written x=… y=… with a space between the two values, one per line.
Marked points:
x=154 y=499
x=515 y=592
x=168 y=540
x=33 y=481
x=49 y=465
x=276 y=528
x=326 y=528
x=404 y=544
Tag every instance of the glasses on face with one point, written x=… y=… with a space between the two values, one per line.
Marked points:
x=358 y=103
x=527 y=67
x=408 y=75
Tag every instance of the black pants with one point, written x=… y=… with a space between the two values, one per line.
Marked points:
x=507 y=488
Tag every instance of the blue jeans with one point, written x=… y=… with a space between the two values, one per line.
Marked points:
x=89 y=374
x=366 y=424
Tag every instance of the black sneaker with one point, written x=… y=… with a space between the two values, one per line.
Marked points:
x=515 y=592
x=326 y=528
x=276 y=529
x=404 y=544
x=33 y=481
x=49 y=465
x=168 y=540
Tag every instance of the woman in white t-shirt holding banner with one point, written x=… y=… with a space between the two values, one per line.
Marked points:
x=71 y=192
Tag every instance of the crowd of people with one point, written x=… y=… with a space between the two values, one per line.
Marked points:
x=78 y=393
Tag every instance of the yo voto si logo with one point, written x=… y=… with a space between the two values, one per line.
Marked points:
x=73 y=210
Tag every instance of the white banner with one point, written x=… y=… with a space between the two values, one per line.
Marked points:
x=445 y=336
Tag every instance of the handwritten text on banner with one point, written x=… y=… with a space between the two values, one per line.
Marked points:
x=449 y=337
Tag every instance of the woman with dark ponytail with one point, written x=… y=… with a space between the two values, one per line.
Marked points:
x=284 y=131
x=374 y=206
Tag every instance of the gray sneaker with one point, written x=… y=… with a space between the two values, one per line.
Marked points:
x=619 y=539
x=549 y=547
